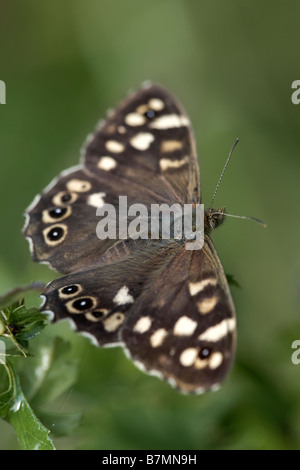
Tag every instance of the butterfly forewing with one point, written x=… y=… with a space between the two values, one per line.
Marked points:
x=169 y=307
x=144 y=150
x=147 y=140
x=62 y=223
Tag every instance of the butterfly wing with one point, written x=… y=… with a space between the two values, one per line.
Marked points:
x=147 y=139
x=170 y=307
x=144 y=150
x=182 y=327
x=99 y=300
x=174 y=314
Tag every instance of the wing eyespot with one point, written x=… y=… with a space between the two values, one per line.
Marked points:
x=81 y=305
x=97 y=315
x=64 y=198
x=56 y=215
x=55 y=234
x=205 y=353
x=150 y=114
x=69 y=291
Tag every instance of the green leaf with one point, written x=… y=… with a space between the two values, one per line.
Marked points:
x=232 y=281
x=47 y=372
x=61 y=424
x=20 y=323
x=7 y=396
x=51 y=372
x=15 y=409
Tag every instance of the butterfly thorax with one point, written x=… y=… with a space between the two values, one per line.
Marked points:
x=213 y=219
x=189 y=228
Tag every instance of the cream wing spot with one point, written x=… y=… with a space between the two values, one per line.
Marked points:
x=142 y=109
x=96 y=199
x=168 y=146
x=166 y=164
x=135 y=119
x=157 y=338
x=114 y=146
x=142 y=325
x=185 y=326
x=196 y=287
x=113 y=322
x=215 y=360
x=188 y=357
x=169 y=121
x=90 y=317
x=200 y=363
x=78 y=186
x=142 y=141
x=107 y=163
x=207 y=305
x=123 y=297
x=217 y=332
x=156 y=104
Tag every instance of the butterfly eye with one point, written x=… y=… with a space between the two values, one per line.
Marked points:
x=204 y=353
x=78 y=186
x=112 y=323
x=55 y=234
x=81 y=305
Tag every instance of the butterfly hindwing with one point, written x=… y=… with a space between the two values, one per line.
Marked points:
x=99 y=300
x=182 y=327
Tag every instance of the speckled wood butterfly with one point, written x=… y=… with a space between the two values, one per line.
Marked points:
x=170 y=308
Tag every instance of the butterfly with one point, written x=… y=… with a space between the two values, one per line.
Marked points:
x=169 y=308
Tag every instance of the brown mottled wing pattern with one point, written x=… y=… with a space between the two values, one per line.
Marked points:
x=169 y=307
x=143 y=150
x=182 y=328
x=146 y=140
x=99 y=300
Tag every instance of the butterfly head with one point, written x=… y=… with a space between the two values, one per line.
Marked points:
x=213 y=218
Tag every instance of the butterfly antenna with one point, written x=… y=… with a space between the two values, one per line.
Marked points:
x=225 y=166
x=254 y=219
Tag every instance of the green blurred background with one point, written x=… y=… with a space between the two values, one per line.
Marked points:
x=231 y=64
